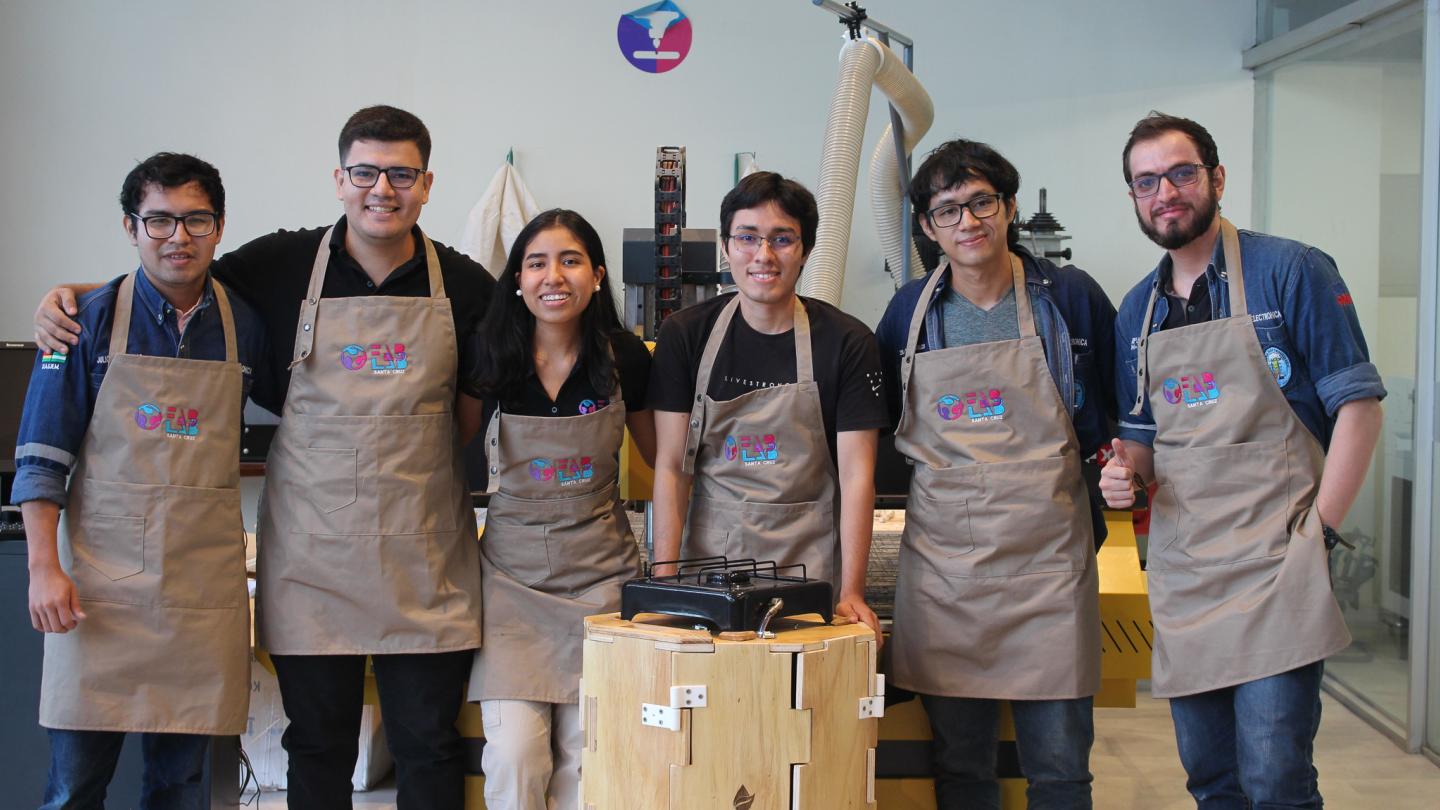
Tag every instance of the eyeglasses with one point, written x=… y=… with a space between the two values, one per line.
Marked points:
x=950 y=214
x=1148 y=185
x=751 y=242
x=363 y=175
x=162 y=226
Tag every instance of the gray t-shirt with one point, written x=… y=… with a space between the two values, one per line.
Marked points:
x=966 y=323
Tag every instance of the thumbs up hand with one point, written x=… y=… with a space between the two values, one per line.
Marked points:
x=1117 y=479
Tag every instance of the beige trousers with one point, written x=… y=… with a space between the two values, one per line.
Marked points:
x=532 y=755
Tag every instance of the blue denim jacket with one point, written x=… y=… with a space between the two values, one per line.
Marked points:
x=1074 y=319
x=63 y=388
x=1303 y=315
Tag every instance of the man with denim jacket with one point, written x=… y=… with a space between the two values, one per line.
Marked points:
x=984 y=612
x=1257 y=323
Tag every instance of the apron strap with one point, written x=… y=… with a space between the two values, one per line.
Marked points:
x=432 y=267
x=492 y=453
x=1022 y=298
x=917 y=319
x=227 y=319
x=305 y=329
x=120 y=327
x=1230 y=240
x=1234 y=272
x=804 y=370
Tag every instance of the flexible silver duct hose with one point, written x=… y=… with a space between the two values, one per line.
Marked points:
x=917 y=113
x=824 y=276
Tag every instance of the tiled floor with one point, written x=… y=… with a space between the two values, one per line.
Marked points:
x=1136 y=766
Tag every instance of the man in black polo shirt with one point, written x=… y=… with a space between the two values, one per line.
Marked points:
x=377 y=574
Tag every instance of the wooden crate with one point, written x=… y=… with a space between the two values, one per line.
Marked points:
x=788 y=723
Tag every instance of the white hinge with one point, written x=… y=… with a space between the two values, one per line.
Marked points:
x=653 y=714
x=874 y=706
x=688 y=697
x=681 y=697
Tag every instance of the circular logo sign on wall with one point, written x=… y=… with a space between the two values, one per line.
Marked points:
x=655 y=38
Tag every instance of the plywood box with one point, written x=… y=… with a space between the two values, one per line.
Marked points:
x=677 y=719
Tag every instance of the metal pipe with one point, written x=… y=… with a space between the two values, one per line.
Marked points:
x=847 y=13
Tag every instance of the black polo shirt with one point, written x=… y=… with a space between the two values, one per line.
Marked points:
x=272 y=274
x=577 y=396
x=1184 y=312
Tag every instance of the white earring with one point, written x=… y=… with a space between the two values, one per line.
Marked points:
x=597 y=286
x=518 y=293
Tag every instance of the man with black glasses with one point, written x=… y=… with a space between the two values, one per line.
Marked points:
x=1253 y=410
x=767 y=409
x=135 y=435
x=367 y=541
x=998 y=369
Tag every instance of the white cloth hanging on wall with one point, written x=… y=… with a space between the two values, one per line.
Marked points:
x=495 y=221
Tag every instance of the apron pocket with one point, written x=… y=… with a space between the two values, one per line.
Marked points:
x=203 y=554
x=1228 y=504
x=520 y=552
x=414 y=473
x=114 y=545
x=786 y=533
x=330 y=474
x=1033 y=518
x=937 y=517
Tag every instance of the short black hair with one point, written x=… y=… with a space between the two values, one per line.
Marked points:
x=1156 y=124
x=171 y=170
x=754 y=190
x=957 y=162
x=387 y=124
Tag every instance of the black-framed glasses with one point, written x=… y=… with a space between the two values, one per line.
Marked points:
x=750 y=242
x=1186 y=174
x=981 y=206
x=162 y=226
x=363 y=175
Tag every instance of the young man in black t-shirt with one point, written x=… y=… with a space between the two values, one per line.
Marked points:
x=768 y=224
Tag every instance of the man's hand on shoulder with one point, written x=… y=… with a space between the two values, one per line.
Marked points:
x=55 y=327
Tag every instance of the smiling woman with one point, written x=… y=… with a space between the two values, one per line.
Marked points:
x=568 y=381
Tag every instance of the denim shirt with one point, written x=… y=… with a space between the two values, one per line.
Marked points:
x=1074 y=320
x=63 y=388
x=1303 y=315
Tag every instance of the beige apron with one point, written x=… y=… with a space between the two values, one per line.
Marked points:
x=764 y=485
x=1239 y=577
x=367 y=536
x=557 y=547
x=996 y=594
x=156 y=547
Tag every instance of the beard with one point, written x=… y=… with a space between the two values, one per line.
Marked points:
x=1180 y=234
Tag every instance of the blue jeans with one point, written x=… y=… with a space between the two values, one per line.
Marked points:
x=1251 y=747
x=82 y=763
x=1052 y=739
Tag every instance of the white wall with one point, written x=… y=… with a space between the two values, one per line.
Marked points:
x=261 y=89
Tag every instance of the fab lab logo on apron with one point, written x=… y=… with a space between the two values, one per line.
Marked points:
x=179 y=423
x=563 y=472
x=752 y=449
x=654 y=38
x=378 y=358
x=1194 y=390
x=976 y=406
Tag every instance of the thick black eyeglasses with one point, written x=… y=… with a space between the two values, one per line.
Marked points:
x=1186 y=174
x=363 y=175
x=949 y=214
x=162 y=226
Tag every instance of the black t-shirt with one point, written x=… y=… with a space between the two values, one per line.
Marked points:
x=845 y=356
x=272 y=274
x=577 y=396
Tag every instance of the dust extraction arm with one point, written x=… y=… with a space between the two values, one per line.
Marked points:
x=865 y=63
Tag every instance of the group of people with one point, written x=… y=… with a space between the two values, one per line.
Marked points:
x=1246 y=406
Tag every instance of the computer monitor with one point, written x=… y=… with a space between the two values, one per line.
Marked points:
x=17 y=359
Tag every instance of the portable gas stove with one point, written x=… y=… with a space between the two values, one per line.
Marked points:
x=727 y=595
